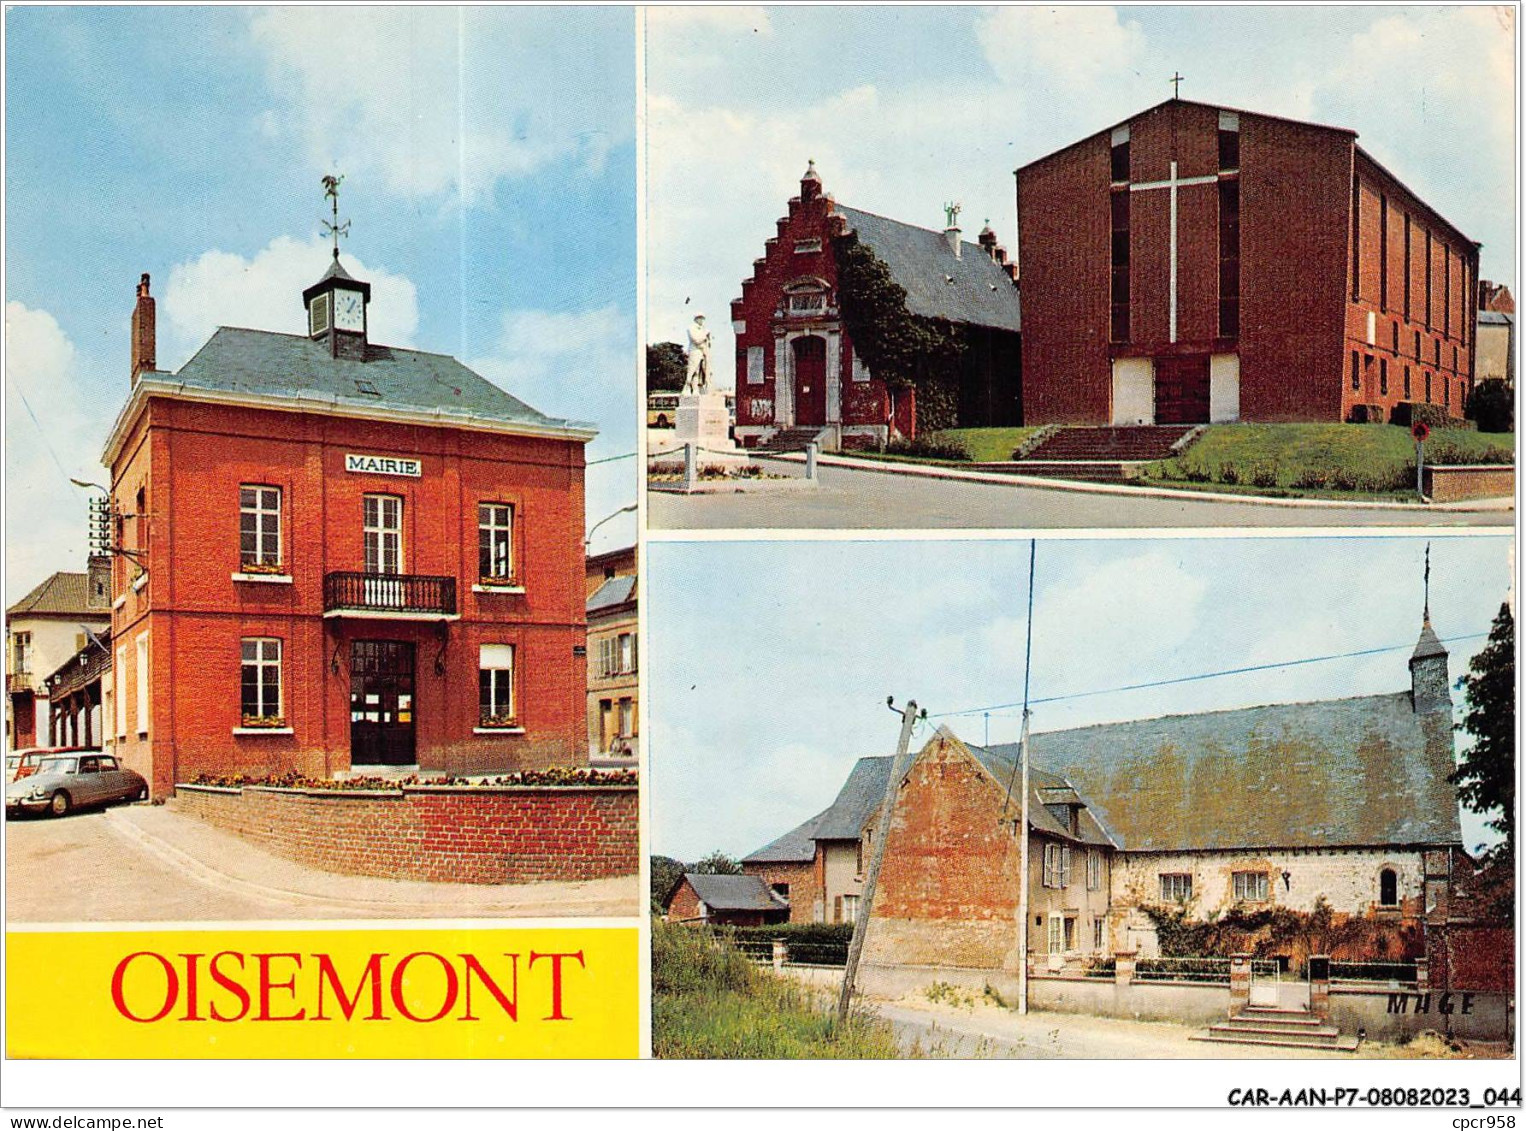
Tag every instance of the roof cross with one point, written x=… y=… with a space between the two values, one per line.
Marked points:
x=334 y=228
x=1176 y=85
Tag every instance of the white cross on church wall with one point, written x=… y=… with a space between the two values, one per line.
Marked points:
x=1173 y=183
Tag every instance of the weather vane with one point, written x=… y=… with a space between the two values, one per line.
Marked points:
x=334 y=228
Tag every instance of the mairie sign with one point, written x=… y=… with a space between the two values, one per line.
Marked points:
x=382 y=465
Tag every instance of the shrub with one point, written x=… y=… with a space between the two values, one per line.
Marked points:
x=1228 y=473
x=1342 y=479
x=1492 y=407
x=929 y=447
x=1264 y=475
x=1312 y=479
x=1434 y=416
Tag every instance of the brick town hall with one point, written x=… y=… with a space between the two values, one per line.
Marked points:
x=336 y=555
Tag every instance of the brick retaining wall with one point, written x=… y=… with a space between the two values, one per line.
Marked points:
x=1452 y=483
x=480 y=835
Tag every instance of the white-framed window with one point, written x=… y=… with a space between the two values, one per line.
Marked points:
x=1251 y=887
x=1093 y=869
x=142 y=657
x=259 y=525
x=627 y=718
x=496 y=684
x=495 y=540
x=626 y=648
x=119 y=682
x=1056 y=865
x=260 y=678
x=755 y=365
x=850 y=909
x=1056 y=934
x=1099 y=934
x=382 y=517
x=21 y=653
x=1175 y=887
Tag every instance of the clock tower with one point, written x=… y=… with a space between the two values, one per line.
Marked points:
x=336 y=304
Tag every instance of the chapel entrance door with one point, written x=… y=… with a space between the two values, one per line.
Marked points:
x=810 y=380
x=1181 y=390
x=382 y=709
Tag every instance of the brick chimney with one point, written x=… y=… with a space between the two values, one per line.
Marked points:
x=987 y=240
x=143 y=323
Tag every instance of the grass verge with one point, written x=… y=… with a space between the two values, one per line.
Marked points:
x=1330 y=460
x=986 y=445
x=708 y=1001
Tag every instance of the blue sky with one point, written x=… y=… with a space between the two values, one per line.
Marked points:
x=905 y=108
x=489 y=162
x=754 y=725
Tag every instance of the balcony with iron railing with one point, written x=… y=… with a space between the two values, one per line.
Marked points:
x=389 y=596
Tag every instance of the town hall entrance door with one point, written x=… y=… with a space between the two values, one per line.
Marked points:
x=1181 y=390
x=381 y=703
x=810 y=380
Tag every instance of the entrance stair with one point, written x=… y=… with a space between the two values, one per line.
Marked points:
x=790 y=439
x=1278 y=1028
x=1109 y=445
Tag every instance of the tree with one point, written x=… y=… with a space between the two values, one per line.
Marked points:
x=666 y=367
x=1492 y=405
x=665 y=873
x=1485 y=776
x=717 y=864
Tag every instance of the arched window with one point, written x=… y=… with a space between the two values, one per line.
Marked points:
x=1388 y=888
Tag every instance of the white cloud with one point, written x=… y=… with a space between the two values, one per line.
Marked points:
x=1074 y=47
x=44 y=515
x=220 y=288
x=434 y=100
x=727 y=19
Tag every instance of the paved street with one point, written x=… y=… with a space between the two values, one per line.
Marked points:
x=143 y=863
x=858 y=499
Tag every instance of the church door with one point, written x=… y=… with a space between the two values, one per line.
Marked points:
x=810 y=380
x=1181 y=390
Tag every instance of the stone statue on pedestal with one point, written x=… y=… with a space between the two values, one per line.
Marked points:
x=697 y=379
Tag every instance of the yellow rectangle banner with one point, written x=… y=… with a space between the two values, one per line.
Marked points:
x=323 y=994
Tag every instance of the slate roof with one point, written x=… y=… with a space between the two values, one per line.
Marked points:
x=921 y=261
x=1044 y=789
x=1495 y=318
x=264 y=363
x=798 y=846
x=63 y=594
x=1429 y=643
x=734 y=893
x=614 y=592
x=859 y=797
x=1340 y=772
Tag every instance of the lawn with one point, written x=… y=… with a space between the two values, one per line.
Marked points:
x=1376 y=459
x=986 y=445
x=708 y=1001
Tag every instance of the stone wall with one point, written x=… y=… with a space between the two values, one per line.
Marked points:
x=1448 y=484
x=480 y=835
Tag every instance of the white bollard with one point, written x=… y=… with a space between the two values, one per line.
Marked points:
x=810 y=459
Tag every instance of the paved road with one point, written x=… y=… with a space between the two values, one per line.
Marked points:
x=148 y=863
x=854 y=499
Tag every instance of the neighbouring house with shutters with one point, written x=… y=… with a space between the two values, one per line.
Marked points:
x=613 y=658
x=43 y=631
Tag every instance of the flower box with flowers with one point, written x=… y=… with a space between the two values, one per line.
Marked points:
x=260 y=567
x=498 y=582
x=263 y=722
x=499 y=722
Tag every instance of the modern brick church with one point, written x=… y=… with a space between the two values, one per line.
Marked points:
x=1200 y=264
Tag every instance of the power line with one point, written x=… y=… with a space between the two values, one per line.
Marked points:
x=43 y=435
x=609 y=459
x=1202 y=676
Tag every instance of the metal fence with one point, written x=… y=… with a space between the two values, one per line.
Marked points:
x=1105 y=969
x=1213 y=971
x=1389 y=973
x=804 y=953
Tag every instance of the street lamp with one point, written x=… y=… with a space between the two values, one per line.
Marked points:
x=602 y=521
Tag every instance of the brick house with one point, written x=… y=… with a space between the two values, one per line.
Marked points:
x=613 y=657
x=336 y=556
x=1345 y=800
x=1196 y=263
x=795 y=363
x=737 y=901
x=43 y=632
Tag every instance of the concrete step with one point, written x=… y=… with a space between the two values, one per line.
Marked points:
x=789 y=440
x=1272 y=1015
x=1144 y=442
x=1235 y=1027
x=1341 y=1044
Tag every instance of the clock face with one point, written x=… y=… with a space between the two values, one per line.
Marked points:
x=349 y=311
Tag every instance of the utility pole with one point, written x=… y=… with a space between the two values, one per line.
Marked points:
x=1022 y=825
x=898 y=769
